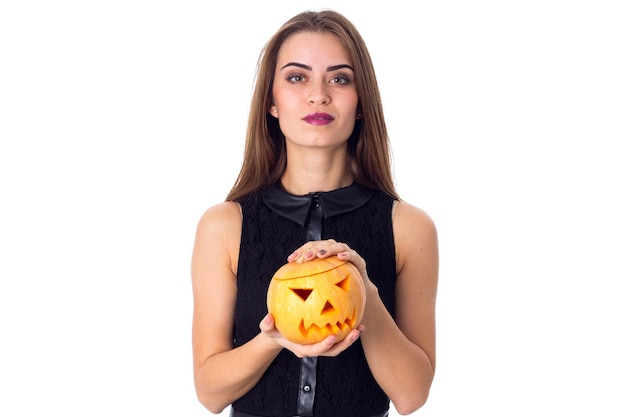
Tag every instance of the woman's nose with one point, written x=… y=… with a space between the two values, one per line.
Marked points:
x=318 y=94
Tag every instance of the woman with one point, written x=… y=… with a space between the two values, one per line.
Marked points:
x=315 y=182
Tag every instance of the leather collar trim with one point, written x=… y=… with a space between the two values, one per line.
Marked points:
x=297 y=207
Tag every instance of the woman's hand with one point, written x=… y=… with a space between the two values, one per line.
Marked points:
x=330 y=247
x=327 y=347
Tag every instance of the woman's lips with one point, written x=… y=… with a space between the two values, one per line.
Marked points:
x=319 y=118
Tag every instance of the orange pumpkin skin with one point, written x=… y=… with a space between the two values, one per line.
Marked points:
x=315 y=299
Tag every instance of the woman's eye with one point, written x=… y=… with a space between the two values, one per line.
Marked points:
x=294 y=78
x=340 y=79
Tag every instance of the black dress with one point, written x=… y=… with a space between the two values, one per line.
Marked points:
x=276 y=223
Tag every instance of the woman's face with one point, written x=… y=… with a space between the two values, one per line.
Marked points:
x=314 y=94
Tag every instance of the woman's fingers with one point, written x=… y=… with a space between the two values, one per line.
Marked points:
x=326 y=347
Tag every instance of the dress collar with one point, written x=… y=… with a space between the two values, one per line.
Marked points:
x=297 y=207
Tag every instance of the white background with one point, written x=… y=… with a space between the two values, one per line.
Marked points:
x=122 y=121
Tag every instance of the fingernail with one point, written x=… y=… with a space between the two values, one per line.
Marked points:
x=322 y=252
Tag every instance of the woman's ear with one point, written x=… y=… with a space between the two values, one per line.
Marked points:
x=273 y=111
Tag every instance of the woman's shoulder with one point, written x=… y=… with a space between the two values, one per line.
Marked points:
x=404 y=211
x=411 y=222
x=222 y=219
x=222 y=211
x=416 y=241
x=217 y=235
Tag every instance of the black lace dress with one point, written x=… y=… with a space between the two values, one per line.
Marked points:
x=276 y=223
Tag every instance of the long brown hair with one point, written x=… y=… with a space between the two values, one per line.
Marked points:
x=265 y=156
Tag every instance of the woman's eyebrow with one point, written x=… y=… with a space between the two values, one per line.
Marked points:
x=309 y=68
x=296 y=64
x=337 y=67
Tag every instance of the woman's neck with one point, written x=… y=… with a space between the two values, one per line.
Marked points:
x=303 y=177
x=311 y=169
x=301 y=185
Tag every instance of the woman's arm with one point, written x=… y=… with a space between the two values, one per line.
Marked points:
x=221 y=374
x=401 y=353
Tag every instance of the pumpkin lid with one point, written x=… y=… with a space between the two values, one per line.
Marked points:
x=316 y=266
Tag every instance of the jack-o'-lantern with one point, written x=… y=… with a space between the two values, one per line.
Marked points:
x=315 y=299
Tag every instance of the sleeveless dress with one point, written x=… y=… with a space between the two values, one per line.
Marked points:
x=276 y=223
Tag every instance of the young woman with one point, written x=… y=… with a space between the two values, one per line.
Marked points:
x=315 y=182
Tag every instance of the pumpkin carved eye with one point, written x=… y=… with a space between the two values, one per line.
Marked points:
x=344 y=284
x=302 y=293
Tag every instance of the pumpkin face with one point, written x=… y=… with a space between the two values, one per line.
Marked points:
x=315 y=299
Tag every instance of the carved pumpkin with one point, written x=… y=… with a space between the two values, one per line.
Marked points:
x=315 y=299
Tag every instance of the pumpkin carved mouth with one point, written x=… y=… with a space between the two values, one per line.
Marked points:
x=330 y=328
